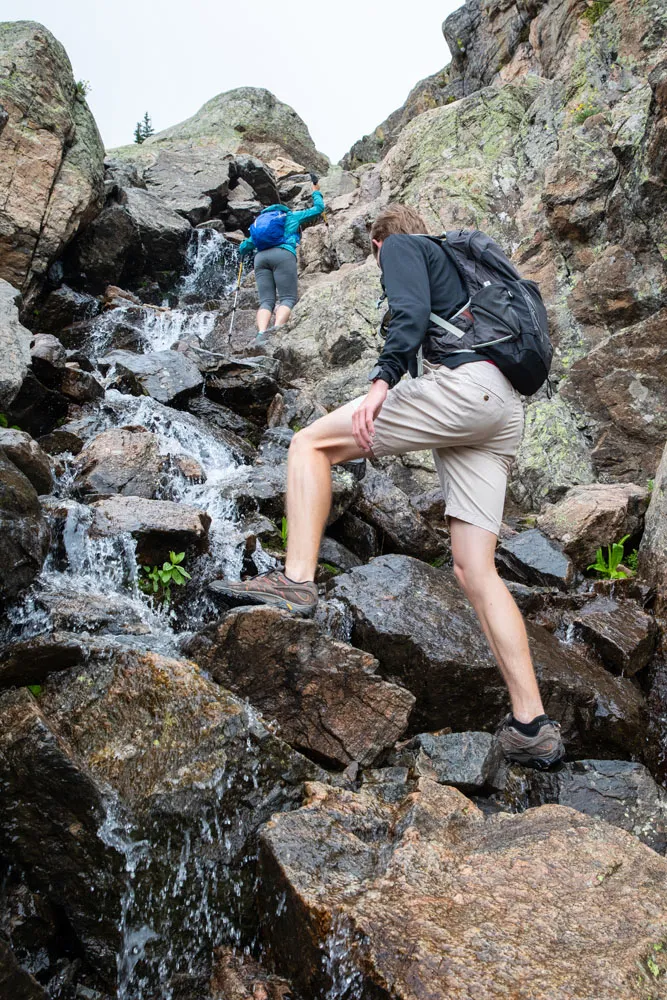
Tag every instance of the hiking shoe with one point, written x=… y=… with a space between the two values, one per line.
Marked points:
x=541 y=751
x=272 y=588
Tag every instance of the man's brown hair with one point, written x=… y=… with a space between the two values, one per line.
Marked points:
x=396 y=218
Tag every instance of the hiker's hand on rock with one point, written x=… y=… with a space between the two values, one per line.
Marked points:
x=315 y=179
x=363 y=427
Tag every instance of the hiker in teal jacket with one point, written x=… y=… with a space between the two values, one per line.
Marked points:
x=275 y=268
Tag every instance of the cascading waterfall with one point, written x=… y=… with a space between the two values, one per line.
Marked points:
x=177 y=890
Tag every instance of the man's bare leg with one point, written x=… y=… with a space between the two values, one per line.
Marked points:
x=312 y=453
x=473 y=549
x=263 y=319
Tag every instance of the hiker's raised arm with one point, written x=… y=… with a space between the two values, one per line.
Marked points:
x=406 y=282
x=310 y=213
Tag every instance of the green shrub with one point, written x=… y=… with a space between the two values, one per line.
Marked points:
x=594 y=12
x=608 y=567
x=158 y=580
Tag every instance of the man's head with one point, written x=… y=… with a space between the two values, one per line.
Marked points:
x=395 y=218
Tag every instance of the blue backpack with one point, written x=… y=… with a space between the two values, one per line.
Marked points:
x=268 y=229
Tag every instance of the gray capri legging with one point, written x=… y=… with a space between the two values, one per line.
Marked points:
x=275 y=270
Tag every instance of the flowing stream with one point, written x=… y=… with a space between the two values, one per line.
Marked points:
x=102 y=572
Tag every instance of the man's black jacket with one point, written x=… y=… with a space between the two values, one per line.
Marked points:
x=419 y=278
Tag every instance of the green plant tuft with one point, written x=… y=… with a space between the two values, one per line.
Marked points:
x=35 y=689
x=586 y=109
x=82 y=88
x=158 y=580
x=632 y=560
x=594 y=11
x=283 y=533
x=333 y=570
x=608 y=567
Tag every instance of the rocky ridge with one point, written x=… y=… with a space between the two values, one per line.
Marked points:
x=198 y=799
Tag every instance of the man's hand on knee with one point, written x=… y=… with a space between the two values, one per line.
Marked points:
x=363 y=428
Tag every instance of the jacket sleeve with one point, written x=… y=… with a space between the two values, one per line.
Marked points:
x=247 y=246
x=309 y=213
x=406 y=281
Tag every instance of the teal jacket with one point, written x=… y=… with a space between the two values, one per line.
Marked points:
x=292 y=223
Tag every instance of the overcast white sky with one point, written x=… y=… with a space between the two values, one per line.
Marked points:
x=343 y=66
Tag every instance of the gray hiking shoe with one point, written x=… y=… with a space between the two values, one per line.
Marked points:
x=272 y=588
x=542 y=751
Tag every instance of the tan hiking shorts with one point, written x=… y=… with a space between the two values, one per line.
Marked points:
x=472 y=418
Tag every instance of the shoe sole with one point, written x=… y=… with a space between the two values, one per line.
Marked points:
x=537 y=763
x=272 y=600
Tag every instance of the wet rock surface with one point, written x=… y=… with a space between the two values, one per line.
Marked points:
x=24 y=533
x=467 y=760
x=14 y=344
x=325 y=695
x=165 y=375
x=174 y=523
x=653 y=549
x=530 y=557
x=123 y=461
x=376 y=894
x=623 y=635
x=415 y=620
x=619 y=791
x=28 y=457
x=399 y=526
x=141 y=743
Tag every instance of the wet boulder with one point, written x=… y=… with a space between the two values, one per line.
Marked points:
x=623 y=635
x=14 y=345
x=221 y=418
x=242 y=206
x=336 y=555
x=592 y=516
x=167 y=376
x=156 y=523
x=530 y=557
x=63 y=307
x=469 y=761
x=260 y=177
x=416 y=621
x=28 y=456
x=428 y=898
x=653 y=548
x=620 y=792
x=326 y=696
x=24 y=532
x=137 y=787
x=193 y=182
x=36 y=408
x=245 y=385
x=122 y=460
x=60 y=442
x=263 y=488
x=14 y=981
x=398 y=524
x=356 y=535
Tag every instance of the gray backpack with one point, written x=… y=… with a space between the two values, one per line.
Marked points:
x=504 y=319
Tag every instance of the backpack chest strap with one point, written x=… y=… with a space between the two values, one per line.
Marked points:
x=447 y=325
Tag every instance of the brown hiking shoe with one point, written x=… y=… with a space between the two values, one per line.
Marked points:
x=542 y=751
x=272 y=588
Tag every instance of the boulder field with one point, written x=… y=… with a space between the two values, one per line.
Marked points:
x=202 y=800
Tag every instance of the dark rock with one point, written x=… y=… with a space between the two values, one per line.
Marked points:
x=60 y=442
x=274 y=446
x=358 y=890
x=246 y=386
x=337 y=555
x=619 y=791
x=24 y=533
x=37 y=409
x=294 y=408
x=324 y=694
x=242 y=206
x=138 y=749
x=64 y=306
x=623 y=635
x=46 y=353
x=31 y=926
x=167 y=376
x=32 y=660
x=417 y=623
x=400 y=528
x=28 y=457
x=593 y=516
x=467 y=760
x=222 y=418
x=260 y=178
x=356 y=535
x=14 y=982
x=80 y=386
x=193 y=182
x=530 y=557
x=122 y=460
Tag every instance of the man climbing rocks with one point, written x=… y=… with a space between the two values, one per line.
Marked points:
x=275 y=236
x=468 y=412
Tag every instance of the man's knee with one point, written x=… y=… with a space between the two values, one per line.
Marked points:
x=305 y=443
x=473 y=576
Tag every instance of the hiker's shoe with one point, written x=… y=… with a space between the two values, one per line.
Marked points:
x=272 y=588
x=542 y=750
